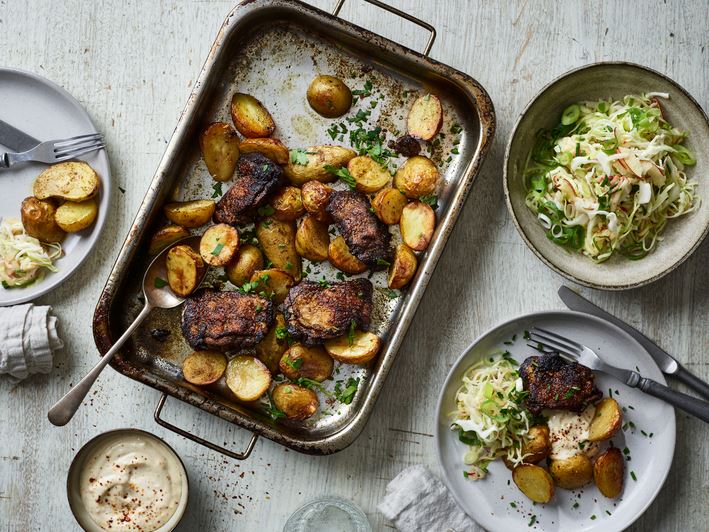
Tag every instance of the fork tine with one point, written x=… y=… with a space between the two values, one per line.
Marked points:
x=554 y=344
x=74 y=154
x=541 y=348
x=77 y=143
x=577 y=345
x=563 y=354
x=81 y=146
x=76 y=139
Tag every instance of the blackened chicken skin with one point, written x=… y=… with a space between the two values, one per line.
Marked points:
x=225 y=320
x=258 y=178
x=315 y=313
x=366 y=235
x=556 y=384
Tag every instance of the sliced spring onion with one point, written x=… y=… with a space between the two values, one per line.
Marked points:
x=570 y=115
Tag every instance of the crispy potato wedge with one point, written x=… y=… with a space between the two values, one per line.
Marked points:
x=277 y=240
x=417 y=224
x=312 y=239
x=608 y=472
x=425 y=117
x=274 y=344
x=606 y=421
x=242 y=267
x=309 y=362
x=329 y=96
x=219 y=244
x=190 y=213
x=368 y=174
x=204 y=367
x=571 y=473
x=287 y=204
x=358 y=348
x=166 y=236
x=340 y=257
x=185 y=270
x=70 y=181
x=388 y=204
x=273 y=281
x=39 y=220
x=73 y=216
x=219 y=145
x=271 y=148
x=534 y=482
x=315 y=197
x=318 y=157
x=295 y=401
x=250 y=117
x=403 y=269
x=247 y=377
x=538 y=445
x=417 y=177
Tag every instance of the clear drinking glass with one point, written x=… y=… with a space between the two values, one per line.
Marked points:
x=328 y=514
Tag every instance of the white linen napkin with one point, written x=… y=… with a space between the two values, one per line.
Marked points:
x=416 y=501
x=28 y=339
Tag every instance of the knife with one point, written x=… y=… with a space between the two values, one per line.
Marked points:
x=667 y=363
x=15 y=139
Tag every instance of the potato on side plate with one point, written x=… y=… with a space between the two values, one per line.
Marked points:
x=534 y=481
x=204 y=367
x=70 y=181
x=608 y=472
x=295 y=401
x=190 y=213
x=417 y=177
x=329 y=96
x=315 y=197
x=310 y=362
x=185 y=270
x=340 y=257
x=312 y=239
x=39 y=220
x=219 y=244
x=242 y=267
x=271 y=148
x=388 y=205
x=73 y=216
x=357 y=348
x=277 y=240
x=417 y=224
x=219 y=145
x=309 y=164
x=274 y=282
x=571 y=473
x=403 y=269
x=425 y=117
x=287 y=204
x=606 y=421
x=368 y=174
x=247 y=377
x=274 y=344
x=250 y=117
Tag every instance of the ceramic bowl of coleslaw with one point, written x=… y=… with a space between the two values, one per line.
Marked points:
x=607 y=175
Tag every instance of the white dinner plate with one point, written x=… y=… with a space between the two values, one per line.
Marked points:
x=45 y=111
x=497 y=504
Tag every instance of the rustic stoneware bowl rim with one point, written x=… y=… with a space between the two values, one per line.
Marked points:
x=506 y=177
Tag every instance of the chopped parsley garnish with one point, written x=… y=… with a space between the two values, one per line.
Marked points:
x=265 y=210
x=367 y=91
x=343 y=175
x=281 y=333
x=324 y=283
x=575 y=505
x=345 y=396
x=294 y=364
x=217 y=190
x=632 y=475
x=456 y=128
x=289 y=266
x=273 y=411
x=532 y=520
x=300 y=156
x=340 y=276
x=160 y=283
x=513 y=505
x=218 y=249
x=593 y=517
x=431 y=200
x=351 y=332
x=382 y=262
x=391 y=294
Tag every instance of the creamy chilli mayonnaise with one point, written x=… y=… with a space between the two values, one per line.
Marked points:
x=131 y=481
x=568 y=432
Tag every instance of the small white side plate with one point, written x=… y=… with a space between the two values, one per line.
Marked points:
x=45 y=111
x=497 y=504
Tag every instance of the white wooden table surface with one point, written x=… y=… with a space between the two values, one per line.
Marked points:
x=132 y=65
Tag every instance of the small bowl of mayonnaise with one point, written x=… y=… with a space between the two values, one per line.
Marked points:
x=127 y=479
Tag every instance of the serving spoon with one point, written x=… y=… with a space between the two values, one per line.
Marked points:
x=157 y=294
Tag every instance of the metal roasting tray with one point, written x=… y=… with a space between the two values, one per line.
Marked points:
x=272 y=49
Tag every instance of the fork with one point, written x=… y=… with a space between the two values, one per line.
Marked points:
x=577 y=352
x=55 y=151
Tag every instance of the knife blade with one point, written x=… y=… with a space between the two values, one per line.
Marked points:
x=15 y=139
x=667 y=363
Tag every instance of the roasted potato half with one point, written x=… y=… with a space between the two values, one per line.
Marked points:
x=608 y=472
x=417 y=177
x=329 y=96
x=312 y=239
x=166 y=236
x=250 y=117
x=204 y=367
x=403 y=269
x=219 y=244
x=274 y=344
x=315 y=197
x=538 y=446
x=73 y=216
x=606 y=421
x=388 y=205
x=277 y=240
x=242 y=267
x=340 y=257
x=219 y=144
x=247 y=377
x=357 y=348
x=287 y=204
x=309 y=362
x=39 y=220
x=295 y=401
x=273 y=281
x=571 y=473
x=534 y=481
x=316 y=159
x=368 y=174
x=185 y=270
x=71 y=181
x=417 y=224
x=271 y=148
x=425 y=117
x=190 y=213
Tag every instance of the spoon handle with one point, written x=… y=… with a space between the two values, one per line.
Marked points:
x=64 y=409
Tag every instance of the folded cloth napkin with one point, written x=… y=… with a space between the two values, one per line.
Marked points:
x=416 y=501
x=28 y=339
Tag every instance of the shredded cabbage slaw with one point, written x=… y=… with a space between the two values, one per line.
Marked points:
x=609 y=177
x=23 y=258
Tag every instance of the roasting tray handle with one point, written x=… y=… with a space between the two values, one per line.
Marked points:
x=237 y=456
x=399 y=13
